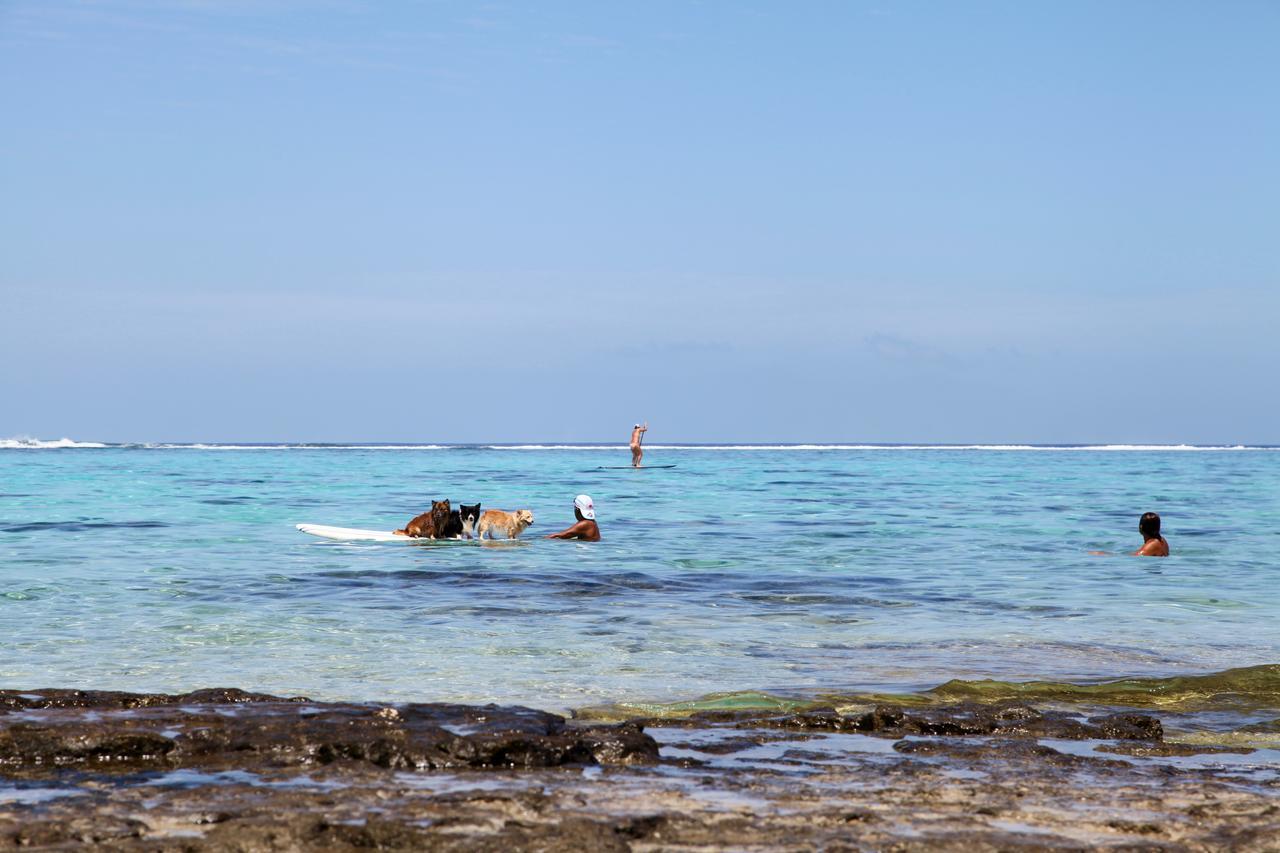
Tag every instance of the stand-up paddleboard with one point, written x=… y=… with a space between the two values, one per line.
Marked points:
x=630 y=467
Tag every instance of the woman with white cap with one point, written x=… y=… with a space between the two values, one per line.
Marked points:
x=586 y=529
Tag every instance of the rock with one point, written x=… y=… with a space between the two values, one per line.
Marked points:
x=26 y=744
x=1129 y=727
x=22 y=700
x=222 y=730
x=81 y=770
x=968 y=720
x=1169 y=750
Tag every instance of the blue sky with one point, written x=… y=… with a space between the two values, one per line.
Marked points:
x=438 y=221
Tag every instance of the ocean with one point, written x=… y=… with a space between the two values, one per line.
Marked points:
x=744 y=574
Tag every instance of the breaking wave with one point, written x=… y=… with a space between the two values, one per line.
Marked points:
x=202 y=446
x=790 y=447
x=24 y=443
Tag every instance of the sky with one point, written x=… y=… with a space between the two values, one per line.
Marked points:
x=268 y=220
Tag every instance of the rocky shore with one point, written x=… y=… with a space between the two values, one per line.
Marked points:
x=228 y=770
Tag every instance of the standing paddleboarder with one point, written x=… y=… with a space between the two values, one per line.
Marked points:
x=637 y=439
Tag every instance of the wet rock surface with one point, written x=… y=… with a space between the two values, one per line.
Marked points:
x=227 y=770
x=1006 y=720
x=47 y=731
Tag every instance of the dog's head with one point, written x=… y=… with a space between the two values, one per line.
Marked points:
x=440 y=511
x=469 y=514
x=524 y=518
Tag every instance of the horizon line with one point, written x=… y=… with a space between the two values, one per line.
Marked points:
x=28 y=443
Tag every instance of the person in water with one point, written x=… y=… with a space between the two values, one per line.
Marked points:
x=586 y=529
x=637 y=436
x=1153 y=544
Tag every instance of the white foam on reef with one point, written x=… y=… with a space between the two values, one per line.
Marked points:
x=26 y=443
x=563 y=447
x=789 y=447
x=293 y=446
x=215 y=446
x=391 y=447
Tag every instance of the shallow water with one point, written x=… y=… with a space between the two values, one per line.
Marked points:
x=788 y=571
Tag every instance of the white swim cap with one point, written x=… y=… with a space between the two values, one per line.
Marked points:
x=585 y=506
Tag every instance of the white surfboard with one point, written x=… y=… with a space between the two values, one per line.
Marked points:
x=352 y=534
x=355 y=534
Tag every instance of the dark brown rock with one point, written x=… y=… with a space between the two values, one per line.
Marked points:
x=1129 y=727
x=968 y=721
x=149 y=731
x=61 y=746
x=22 y=700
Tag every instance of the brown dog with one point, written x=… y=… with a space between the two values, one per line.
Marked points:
x=510 y=523
x=430 y=524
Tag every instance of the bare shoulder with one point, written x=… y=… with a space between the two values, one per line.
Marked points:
x=584 y=531
x=1153 y=548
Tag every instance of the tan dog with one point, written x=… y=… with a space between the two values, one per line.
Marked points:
x=510 y=523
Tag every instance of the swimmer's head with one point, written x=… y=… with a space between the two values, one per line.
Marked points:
x=1149 y=525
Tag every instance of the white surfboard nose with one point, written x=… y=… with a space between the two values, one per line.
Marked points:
x=352 y=534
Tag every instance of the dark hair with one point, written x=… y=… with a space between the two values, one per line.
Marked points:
x=1149 y=525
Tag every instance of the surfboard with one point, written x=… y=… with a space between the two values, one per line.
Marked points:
x=355 y=534
x=630 y=467
x=352 y=534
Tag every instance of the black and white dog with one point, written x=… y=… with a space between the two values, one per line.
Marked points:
x=462 y=522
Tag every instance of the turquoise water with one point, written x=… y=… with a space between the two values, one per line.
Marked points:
x=777 y=570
